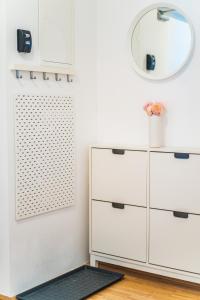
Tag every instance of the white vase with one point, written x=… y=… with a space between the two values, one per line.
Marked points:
x=155 y=131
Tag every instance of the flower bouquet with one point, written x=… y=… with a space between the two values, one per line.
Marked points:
x=155 y=111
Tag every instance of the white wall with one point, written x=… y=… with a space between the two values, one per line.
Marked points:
x=41 y=248
x=122 y=93
x=44 y=247
x=4 y=181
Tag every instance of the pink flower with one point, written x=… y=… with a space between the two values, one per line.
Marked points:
x=148 y=108
x=156 y=109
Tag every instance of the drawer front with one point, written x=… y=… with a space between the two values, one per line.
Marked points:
x=119 y=232
x=174 y=241
x=175 y=182
x=119 y=177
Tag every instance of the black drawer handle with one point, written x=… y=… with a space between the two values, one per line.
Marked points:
x=179 y=214
x=118 y=205
x=182 y=155
x=118 y=151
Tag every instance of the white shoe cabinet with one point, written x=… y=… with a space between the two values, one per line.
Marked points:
x=145 y=209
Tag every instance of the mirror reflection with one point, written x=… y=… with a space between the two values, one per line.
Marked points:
x=161 y=43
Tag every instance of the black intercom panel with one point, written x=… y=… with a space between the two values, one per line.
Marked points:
x=151 y=62
x=24 y=41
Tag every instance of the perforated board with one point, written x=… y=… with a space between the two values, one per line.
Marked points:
x=45 y=154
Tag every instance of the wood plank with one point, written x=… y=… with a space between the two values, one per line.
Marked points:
x=144 y=286
x=6 y=298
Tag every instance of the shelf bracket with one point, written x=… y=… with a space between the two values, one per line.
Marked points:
x=32 y=77
x=69 y=78
x=45 y=76
x=57 y=78
x=18 y=76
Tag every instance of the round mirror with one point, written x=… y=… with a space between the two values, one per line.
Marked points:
x=161 y=42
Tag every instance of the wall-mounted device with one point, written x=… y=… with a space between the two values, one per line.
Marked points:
x=24 y=41
x=150 y=62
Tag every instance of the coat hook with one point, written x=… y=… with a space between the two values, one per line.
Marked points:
x=45 y=76
x=69 y=79
x=18 y=76
x=56 y=76
x=31 y=75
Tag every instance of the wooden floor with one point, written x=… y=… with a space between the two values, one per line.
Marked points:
x=141 y=286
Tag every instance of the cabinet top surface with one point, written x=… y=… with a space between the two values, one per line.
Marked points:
x=149 y=149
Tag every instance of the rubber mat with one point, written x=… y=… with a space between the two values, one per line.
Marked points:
x=76 y=285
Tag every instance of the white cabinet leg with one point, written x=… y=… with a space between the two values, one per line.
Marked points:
x=93 y=261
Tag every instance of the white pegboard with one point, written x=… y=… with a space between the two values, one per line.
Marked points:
x=45 y=154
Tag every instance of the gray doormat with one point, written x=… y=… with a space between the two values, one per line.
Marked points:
x=75 y=285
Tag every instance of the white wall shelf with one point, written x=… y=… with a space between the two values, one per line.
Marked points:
x=43 y=69
x=69 y=71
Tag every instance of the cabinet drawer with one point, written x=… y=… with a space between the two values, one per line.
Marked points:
x=174 y=241
x=119 y=177
x=119 y=232
x=174 y=182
